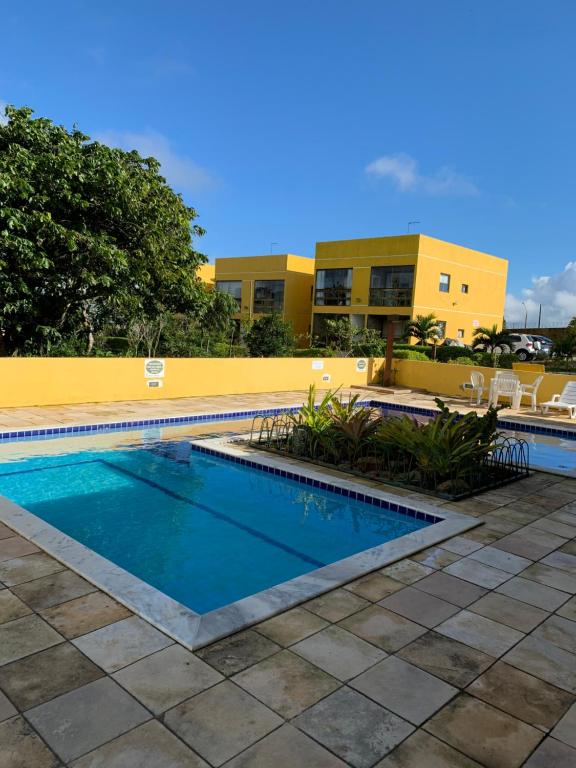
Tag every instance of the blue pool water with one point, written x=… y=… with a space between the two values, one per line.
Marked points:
x=202 y=529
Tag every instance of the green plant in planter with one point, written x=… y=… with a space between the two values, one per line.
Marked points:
x=311 y=422
x=351 y=430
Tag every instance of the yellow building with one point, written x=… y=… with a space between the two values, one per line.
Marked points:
x=279 y=283
x=374 y=280
x=206 y=274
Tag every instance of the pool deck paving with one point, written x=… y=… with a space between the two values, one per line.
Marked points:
x=463 y=655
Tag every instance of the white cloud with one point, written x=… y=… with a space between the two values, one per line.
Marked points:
x=402 y=170
x=180 y=171
x=556 y=293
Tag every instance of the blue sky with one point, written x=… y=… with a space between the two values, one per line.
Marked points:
x=294 y=122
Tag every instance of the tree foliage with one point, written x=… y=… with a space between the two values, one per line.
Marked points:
x=423 y=328
x=270 y=336
x=88 y=234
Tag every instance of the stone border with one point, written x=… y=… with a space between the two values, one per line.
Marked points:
x=195 y=630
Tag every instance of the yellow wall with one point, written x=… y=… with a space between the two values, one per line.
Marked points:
x=206 y=274
x=32 y=381
x=445 y=378
x=296 y=271
x=484 y=274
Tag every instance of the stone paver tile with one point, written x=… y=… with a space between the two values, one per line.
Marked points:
x=286 y=747
x=291 y=626
x=79 y=721
x=235 y=653
x=407 y=571
x=504 y=561
x=16 y=546
x=24 y=636
x=286 y=683
x=51 y=590
x=122 y=643
x=560 y=631
x=338 y=652
x=460 y=545
x=420 y=606
x=524 y=696
x=422 y=750
x=484 y=534
x=552 y=754
x=481 y=633
x=568 y=610
x=487 y=735
x=561 y=560
x=45 y=675
x=84 y=614
x=20 y=747
x=509 y=611
x=11 y=607
x=436 y=558
x=551 y=577
x=27 y=568
x=6 y=532
x=569 y=547
x=546 y=661
x=533 y=593
x=404 y=689
x=6 y=708
x=454 y=662
x=520 y=545
x=166 y=678
x=450 y=588
x=555 y=526
x=565 y=730
x=383 y=628
x=361 y=739
x=148 y=746
x=221 y=722
x=336 y=605
x=374 y=586
x=477 y=573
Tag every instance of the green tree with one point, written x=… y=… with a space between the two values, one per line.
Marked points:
x=87 y=233
x=340 y=333
x=270 y=336
x=492 y=340
x=423 y=328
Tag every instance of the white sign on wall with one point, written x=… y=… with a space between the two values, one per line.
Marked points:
x=326 y=377
x=317 y=365
x=475 y=323
x=361 y=364
x=154 y=368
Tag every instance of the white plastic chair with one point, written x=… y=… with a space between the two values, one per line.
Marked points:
x=531 y=391
x=565 y=401
x=505 y=384
x=475 y=386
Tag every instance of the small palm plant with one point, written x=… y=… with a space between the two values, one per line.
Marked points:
x=492 y=340
x=423 y=328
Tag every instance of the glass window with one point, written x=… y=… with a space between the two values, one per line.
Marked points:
x=460 y=333
x=441 y=324
x=333 y=287
x=268 y=295
x=391 y=286
x=464 y=287
x=232 y=288
x=444 y=286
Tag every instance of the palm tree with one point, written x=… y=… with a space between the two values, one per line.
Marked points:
x=492 y=340
x=423 y=328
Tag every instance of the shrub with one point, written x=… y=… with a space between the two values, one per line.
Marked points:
x=314 y=352
x=506 y=360
x=408 y=354
x=445 y=354
x=463 y=361
x=270 y=336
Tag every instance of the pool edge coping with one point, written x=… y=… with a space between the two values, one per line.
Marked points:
x=195 y=630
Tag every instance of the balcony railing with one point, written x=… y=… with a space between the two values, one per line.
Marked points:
x=267 y=306
x=332 y=297
x=390 y=297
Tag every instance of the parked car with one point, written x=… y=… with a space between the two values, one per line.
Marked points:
x=546 y=345
x=453 y=343
x=523 y=346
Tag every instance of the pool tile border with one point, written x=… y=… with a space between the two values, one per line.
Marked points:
x=195 y=630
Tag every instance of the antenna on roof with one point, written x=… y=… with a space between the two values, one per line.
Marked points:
x=272 y=247
x=410 y=224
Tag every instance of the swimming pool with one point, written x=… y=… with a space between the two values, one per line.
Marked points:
x=191 y=532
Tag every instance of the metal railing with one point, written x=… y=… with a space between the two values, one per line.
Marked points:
x=332 y=297
x=390 y=297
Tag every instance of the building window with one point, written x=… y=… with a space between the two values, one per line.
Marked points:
x=464 y=288
x=391 y=286
x=460 y=333
x=232 y=288
x=268 y=296
x=333 y=287
x=444 y=286
x=441 y=325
